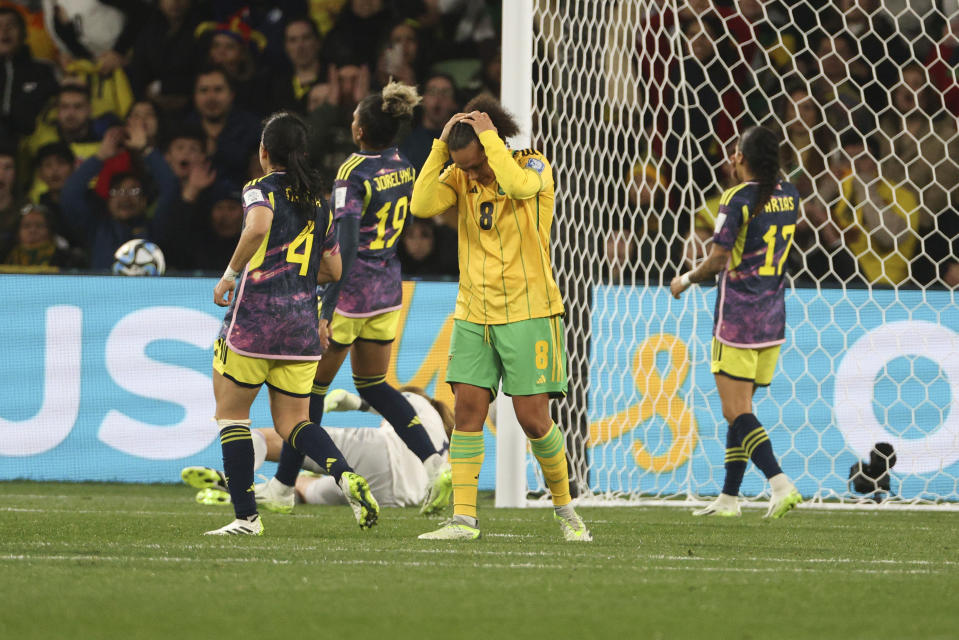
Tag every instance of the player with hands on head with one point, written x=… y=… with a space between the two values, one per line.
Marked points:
x=508 y=319
x=271 y=330
x=360 y=313
x=754 y=232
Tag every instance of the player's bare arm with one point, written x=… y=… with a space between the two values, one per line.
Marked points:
x=258 y=222
x=331 y=269
x=324 y=330
x=430 y=196
x=717 y=259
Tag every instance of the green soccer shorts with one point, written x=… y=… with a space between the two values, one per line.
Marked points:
x=529 y=356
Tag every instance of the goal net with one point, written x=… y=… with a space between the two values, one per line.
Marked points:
x=638 y=103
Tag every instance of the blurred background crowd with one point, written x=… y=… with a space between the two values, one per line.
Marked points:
x=141 y=118
x=864 y=94
x=126 y=119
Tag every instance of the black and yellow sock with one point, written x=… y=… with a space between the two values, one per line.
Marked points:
x=317 y=398
x=312 y=440
x=291 y=460
x=550 y=450
x=397 y=410
x=466 y=459
x=735 y=463
x=756 y=444
x=288 y=468
x=237 y=445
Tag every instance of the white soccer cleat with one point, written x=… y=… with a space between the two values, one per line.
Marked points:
x=574 y=529
x=357 y=492
x=341 y=400
x=275 y=496
x=452 y=529
x=240 y=527
x=724 y=506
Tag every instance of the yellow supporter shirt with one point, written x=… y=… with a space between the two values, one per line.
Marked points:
x=505 y=270
x=878 y=266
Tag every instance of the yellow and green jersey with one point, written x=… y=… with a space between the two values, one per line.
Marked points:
x=506 y=274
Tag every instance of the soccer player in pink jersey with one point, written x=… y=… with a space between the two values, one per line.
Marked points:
x=754 y=232
x=371 y=198
x=271 y=333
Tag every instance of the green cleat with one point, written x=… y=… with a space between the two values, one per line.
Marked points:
x=203 y=478
x=439 y=492
x=212 y=496
x=781 y=505
x=275 y=496
x=452 y=530
x=574 y=529
x=357 y=492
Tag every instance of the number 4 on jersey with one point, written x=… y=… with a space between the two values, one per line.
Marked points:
x=302 y=258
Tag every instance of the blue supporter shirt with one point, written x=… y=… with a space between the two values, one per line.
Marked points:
x=274 y=312
x=750 y=303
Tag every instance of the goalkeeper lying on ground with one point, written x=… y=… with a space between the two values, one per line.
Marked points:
x=396 y=476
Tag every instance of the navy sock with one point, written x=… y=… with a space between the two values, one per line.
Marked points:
x=237 y=445
x=756 y=444
x=736 y=460
x=289 y=466
x=317 y=397
x=391 y=404
x=312 y=440
x=291 y=460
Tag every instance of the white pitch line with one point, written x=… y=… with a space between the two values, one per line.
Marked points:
x=504 y=553
x=476 y=565
x=793 y=570
x=103 y=511
x=31 y=496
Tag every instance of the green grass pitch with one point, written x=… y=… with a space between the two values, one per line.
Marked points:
x=128 y=561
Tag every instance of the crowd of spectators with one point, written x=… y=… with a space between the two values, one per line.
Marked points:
x=866 y=98
x=141 y=118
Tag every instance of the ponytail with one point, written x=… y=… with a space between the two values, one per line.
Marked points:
x=760 y=149
x=380 y=114
x=285 y=138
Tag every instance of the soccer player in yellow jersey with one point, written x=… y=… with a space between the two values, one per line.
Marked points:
x=508 y=321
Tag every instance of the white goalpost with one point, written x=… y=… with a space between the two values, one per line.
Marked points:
x=637 y=104
x=517 y=97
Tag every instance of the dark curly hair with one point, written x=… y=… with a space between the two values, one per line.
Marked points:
x=462 y=134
